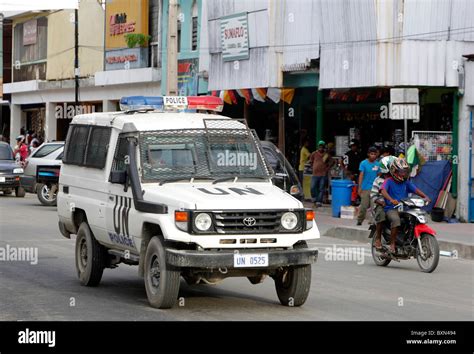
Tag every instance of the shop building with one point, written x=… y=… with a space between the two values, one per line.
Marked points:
x=192 y=62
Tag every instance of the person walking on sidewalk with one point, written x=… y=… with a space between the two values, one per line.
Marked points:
x=320 y=170
x=368 y=172
x=304 y=156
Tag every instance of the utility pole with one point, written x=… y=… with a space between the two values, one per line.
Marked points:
x=76 y=58
x=172 y=56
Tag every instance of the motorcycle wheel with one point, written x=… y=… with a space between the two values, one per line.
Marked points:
x=430 y=247
x=378 y=259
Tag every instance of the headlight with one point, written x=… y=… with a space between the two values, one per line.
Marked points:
x=289 y=220
x=18 y=170
x=203 y=222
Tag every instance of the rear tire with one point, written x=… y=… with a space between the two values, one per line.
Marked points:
x=44 y=196
x=380 y=261
x=20 y=192
x=90 y=257
x=161 y=280
x=431 y=250
x=293 y=283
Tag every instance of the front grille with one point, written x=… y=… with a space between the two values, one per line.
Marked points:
x=9 y=181
x=266 y=222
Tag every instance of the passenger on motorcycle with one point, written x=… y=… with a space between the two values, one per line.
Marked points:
x=393 y=190
x=377 y=200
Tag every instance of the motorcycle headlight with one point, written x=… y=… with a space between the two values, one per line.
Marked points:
x=18 y=170
x=203 y=222
x=289 y=220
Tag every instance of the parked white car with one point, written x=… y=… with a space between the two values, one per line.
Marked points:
x=180 y=194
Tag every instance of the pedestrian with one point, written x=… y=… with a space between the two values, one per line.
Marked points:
x=304 y=156
x=21 y=150
x=368 y=172
x=320 y=164
x=34 y=146
x=352 y=160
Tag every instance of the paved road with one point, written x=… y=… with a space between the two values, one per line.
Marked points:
x=341 y=290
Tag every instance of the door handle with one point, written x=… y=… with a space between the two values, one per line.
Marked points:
x=111 y=198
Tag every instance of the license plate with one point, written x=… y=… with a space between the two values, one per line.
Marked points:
x=250 y=260
x=2 y=179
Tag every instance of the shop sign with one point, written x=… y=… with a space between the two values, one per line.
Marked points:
x=123 y=59
x=119 y=25
x=30 y=29
x=234 y=37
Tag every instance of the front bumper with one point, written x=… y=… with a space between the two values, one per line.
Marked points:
x=29 y=183
x=225 y=258
x=11 y=181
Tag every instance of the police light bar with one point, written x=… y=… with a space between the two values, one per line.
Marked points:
x=171 y=103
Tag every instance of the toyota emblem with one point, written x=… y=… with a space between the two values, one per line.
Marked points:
x=249 y=221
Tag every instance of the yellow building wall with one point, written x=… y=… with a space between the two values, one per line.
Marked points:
x=61 y=41
x=136 y=12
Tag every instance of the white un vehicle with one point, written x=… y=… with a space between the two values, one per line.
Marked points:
x=180 y=194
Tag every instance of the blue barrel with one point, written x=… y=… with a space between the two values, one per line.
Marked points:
x=341 y=195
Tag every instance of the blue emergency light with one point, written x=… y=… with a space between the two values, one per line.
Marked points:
x=129 y=103
x=162 y=103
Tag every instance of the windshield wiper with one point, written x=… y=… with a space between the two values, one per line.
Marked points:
x=176 y=179
x=223 y=179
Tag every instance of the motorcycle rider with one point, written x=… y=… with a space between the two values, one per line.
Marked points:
x=377 y=200
x=393 y=190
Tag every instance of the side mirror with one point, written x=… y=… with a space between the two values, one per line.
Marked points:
x=119 y=177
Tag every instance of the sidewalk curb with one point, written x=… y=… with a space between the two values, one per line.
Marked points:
x=353 y=234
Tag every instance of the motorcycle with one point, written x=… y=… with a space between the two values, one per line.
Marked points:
x=414 y=240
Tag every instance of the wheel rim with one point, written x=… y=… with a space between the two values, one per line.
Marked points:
x=45 y=193
x=82 y=255
x=154 y=275
x=286 y=278
x=427 y=247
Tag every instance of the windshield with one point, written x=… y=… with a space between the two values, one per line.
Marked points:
x=174 y=154
x=6 y=152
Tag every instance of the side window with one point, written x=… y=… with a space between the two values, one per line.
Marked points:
x=272 y=159
x=76 y=145
x=87 y=146
x=120 y=153
x=46 y=150
x=97 y=147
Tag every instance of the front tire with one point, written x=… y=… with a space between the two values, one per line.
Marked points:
x=161 y=280
x=293 y=283
x=45 y=195
x=7 y=192
x=20 y=192
x=430 y=248
x=378 y=260
x=90 y=257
